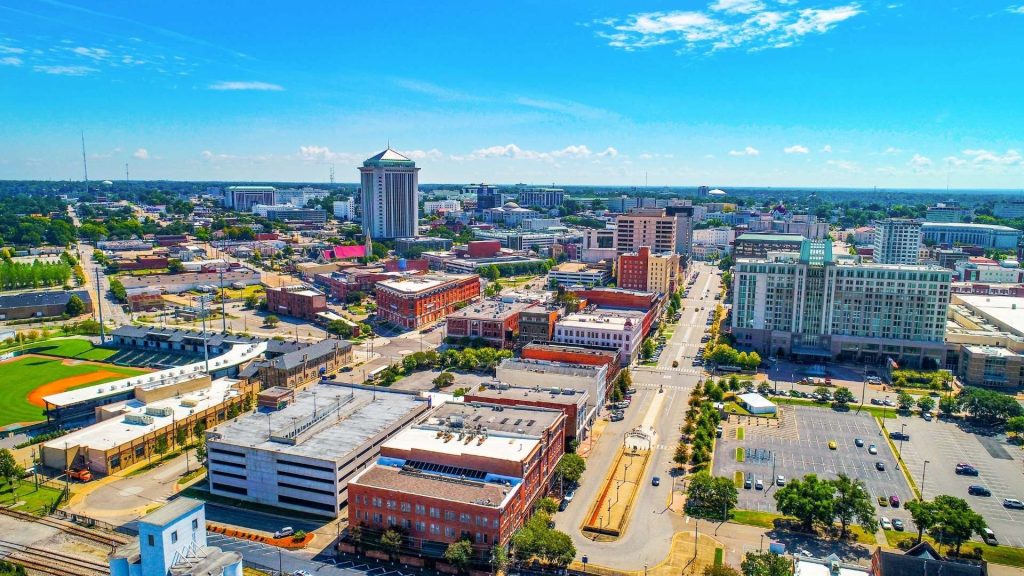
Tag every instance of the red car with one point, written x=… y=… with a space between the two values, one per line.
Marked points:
x=894 y=501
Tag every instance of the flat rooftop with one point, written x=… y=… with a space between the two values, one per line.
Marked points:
x=568 y=397
x=551 y=367
x=346 y=418
x=1007 y=310
x=417 y=284
x=492 y=446
x=491 y=309
x=572 y=267
x=758 y=237
x=434 y=485
x=115 y=431
x=171 y=511
x=992 y=351
x=606 y=319
x=506 y=419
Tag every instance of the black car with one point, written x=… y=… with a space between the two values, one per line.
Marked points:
x=899 y=436
x=880 y=466
x=978 y=490
x=966 y=470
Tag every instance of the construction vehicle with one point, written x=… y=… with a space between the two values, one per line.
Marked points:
x=80 y=475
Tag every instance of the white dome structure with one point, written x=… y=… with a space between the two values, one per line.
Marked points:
x=717 y=192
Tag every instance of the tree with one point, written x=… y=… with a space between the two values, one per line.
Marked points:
x=174 y=266
x=753 y=360
x=923 y=515
x=546 y=505
x=499 y=558
x=1015 y=425
x=340 y=327
x=904 y=400
x=710 y=496
x=536 y=540
x=852 y=502
x=571 y=467
x=843 y=396
x=271 y=320
x=161 y=445
x=647 y=349
x=9 y=468
x=721 y=570
x=682 y=455
x=989 y=405
x=75 y=306
x=955 y=522
x=444 y=379
x=391 y=540
x=808 y=500
x=949 y=405
x=252 y=301
x=459 y=554
x=926 y=404
x=765 y=564
x=180 y=436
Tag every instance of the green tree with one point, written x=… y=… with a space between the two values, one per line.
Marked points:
x=1015 y=425
x=161 y=445
x=570 y=468
x=904 y=400
x=710 y=496
x=271 y=320
x=843 y=396
x=926 y=404
x=117 y=289
x=721 y=570
x=852 y=502
x=499 y=558
x=546 y=505
x=252 y=301
x=923 y=515
x=949 y=405
x=459 y=554
x=174 y=266
x=75 y=306
x=180 y=436
x=809 y=500
x=9 y=468
x=647 y=349
x=340 y=327
x=765 y=564
x=444 y=379
x=391 y=541
x=955 y=521
x=682 y=454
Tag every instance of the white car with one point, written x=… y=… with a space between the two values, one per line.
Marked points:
x=885 y=523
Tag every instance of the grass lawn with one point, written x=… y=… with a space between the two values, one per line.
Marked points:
x=740 y=433
x=23 y=375
x=873 y=410
x=733 y=408
x=754 y=518
x=77 y=348
x=719 y=553
x=1006 y=555
x=740 y=454
x=737 y=479
x=863 y=536
x=36 y=501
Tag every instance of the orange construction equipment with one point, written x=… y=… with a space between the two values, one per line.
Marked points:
x=80 y=475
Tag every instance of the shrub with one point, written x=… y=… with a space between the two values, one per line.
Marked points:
x=299 y=536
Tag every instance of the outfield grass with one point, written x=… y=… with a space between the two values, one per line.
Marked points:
x=77 y=348
x=23 y=375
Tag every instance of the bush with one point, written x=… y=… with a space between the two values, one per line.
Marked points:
x=906 y=543
x=299 y=536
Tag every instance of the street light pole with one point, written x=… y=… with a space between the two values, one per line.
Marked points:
x=924 y=468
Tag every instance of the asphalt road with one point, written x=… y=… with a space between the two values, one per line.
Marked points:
x=649 y=532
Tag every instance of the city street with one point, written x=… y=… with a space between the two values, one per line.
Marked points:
x=649 y=532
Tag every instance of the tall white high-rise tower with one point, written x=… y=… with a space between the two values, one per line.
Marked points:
x=389 y=184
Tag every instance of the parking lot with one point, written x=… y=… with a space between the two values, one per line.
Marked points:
x=944 y=444
x=796 y=449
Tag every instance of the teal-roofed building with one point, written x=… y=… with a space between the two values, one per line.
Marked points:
x=390 y=183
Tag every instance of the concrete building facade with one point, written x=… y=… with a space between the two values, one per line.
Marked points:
x=389 y=184
x=645 y=227
x=896 y=241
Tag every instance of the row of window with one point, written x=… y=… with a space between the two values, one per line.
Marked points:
x=423 y=510
x=420 y=527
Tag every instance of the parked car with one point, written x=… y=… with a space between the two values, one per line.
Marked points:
x=655 y=481
x=989 y=537
x=898 y=525
x=894 y=501
x=832 y=445
x=872 y=449
x=284 y=532
x=858 y=442
x=898 y=435
x=885 y=523
x=880 y=466
x=1013 y=503
x=748 y=483
x=876 y=401
x=780 y=480
x=965 y=469
x=616 y=417
x=927 y=416
x=759 y=485
x=978 y=490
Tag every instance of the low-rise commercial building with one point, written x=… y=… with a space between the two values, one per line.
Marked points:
x=552 y=375
x=468 y=470
x=175 y=283
x=303 y=456
x=40 y=304
x=579 y=408
x=492 y=320
x=983 y=235
x=578 y=274
x=622 y=329
x=537 y=323
x=417 y=300
x=413 y=247
x=989 y=271
x=759 y=245
x=298 y=301
x=575 y=354
x=308 y=364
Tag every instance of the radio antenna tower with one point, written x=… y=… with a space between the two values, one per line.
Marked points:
x=85 y=164
x=332 y=173
x=126 y=180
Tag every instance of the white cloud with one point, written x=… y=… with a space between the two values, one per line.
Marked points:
x=1016 y=9
x=1011 y=157
x=65 y=70
x=892 y=150
x=843 y=165
x=439 y=92
x=235 y=85
x=748 y=151
x=954 y=161
x=726 y=24
x=920 y=162
x=11 y=50
x=10 y=61
x=827 y=148
x=432 y=154
x=796 y=149
x=568 y=107
x=515 y=152
x=141 y=154
x=737 y=6
x=94 y=53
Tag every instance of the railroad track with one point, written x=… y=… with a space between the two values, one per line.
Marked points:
x=104 y=538
x=50 y=562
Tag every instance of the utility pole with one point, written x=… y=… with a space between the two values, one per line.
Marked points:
x=223 y=311
x=206 y=343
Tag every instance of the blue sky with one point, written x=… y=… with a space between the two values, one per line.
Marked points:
x=896 y=93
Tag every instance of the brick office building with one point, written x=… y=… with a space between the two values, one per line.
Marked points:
x=575 y=354
x=537 y=323
x=632 y=269
x=465 y=471
x=297 y=301
x=492 y=320
x=417 y=300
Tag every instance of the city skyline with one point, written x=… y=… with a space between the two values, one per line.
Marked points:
x=736 y=92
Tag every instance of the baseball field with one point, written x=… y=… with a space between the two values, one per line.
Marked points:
x=25 y=380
